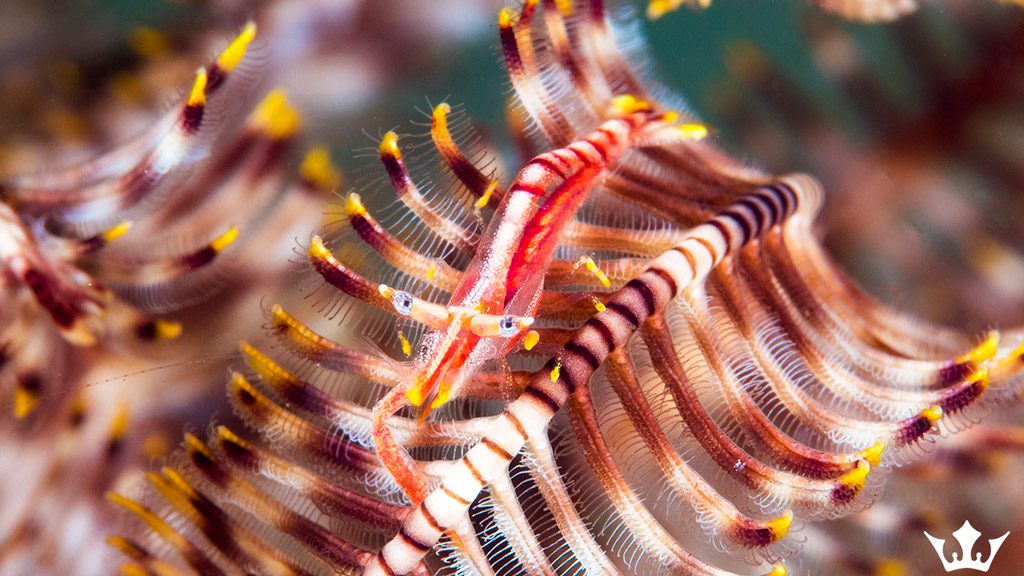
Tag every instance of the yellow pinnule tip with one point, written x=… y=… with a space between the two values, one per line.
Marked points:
x=132 y=570
x=1010 y=363
x=406 y=346
x=441 y=111
x=658 y=8
x=166 y=329
x=25 y=403
x=123 y=545
x=505 y=18
x=116 y=232
x=556 y=371
x=276 y=116
x=627 y=104
x=932 y=414
x=670 y=117
x=564 y=7
x=317 y=249
x=224 y=240
x=980 y=377
x=530 y=340
x=780 y=526
x=389 y=146
x=693 y=131
x=777 y=570
x=148 y=43
x=233 y=54
x=598 y=305
x=482 y=201
x=115 y=498
x=856 y=478
x=354 y=205
x=890 y=567
x=593 y=268
x=225 y=434
x=317 y=169
x=984 y=351
x=119 y=423
x=432 y=271
x=386 y=291
x=874 y=454
x=197 y=97
x=194 y=445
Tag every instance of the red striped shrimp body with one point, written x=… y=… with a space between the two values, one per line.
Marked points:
x=493 y=305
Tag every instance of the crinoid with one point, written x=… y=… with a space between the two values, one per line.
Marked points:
x=632 y=357
x=96 y=260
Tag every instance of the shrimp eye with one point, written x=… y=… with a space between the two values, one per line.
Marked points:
x=402 y=301
x=508 y=326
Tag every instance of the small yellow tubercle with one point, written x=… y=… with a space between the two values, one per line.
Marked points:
x=116 y=231
x=932 y=414
x=856 y=478
x=276 y=116
x=432 y=271
x=406 y=346
x=777 y=570
x=483 y=200
x=530 y=340
x=233 y=54
x=197 y=97
x=780 y=526
x=25 y=403
x=873 y=454
x=564 y=7
x=166 y=329
x=389 y=146
x=224 y=240
x=626 y=104
x=440 y=399
x=317 y=169
x=354 y=205
x=693 y=131
x=556 y=371
x=598 y=305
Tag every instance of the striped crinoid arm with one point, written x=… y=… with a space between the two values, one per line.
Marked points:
x=631 y=357
x=101 y=252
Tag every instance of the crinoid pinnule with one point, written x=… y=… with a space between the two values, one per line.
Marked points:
x=631 y=357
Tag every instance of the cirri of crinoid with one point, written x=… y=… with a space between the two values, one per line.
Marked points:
x=610 y=347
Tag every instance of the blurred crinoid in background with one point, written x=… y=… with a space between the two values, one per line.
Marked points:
x=136 y=244
x=633 y=356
